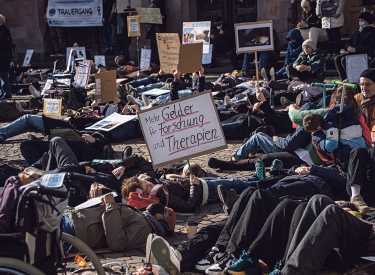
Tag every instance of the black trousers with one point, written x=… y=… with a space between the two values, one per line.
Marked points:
x=340 y=65
x=361 y=171
x=303 y=76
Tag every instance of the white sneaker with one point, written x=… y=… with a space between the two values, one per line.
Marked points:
x=34 y=92
x=226 y=261
x=145 y=100
x=165 y=255
x=149 y=256
x=212 y=257
x=226 y=100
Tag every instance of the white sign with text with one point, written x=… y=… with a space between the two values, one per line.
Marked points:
x=99 y=60
x=182 y=129
x=26 y=61
x=145 y=59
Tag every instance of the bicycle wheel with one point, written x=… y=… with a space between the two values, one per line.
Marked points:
x=17 y=267
x=78 y=248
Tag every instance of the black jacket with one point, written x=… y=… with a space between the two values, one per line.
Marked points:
x=183 y=197
x=227 y=37
x=136 y=164
x=119 y=38
x=311 y=19
x=107 y=9
x=5 y=48
x=363 y=42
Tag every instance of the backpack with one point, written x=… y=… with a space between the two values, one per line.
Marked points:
x=141 y=201
x=8 y=112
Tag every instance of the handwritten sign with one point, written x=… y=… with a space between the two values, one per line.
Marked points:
x=99 y=59
x=182 y=129
x=197 y=32
x=145 y=59
x=52 y=107
x=82 y=75
x=150 y=15
x=169 y=49
x=26 y=61
x=105 y=86
x=134 y=28
x=355 y=65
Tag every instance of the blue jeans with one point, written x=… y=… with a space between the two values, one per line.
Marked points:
x=67 y=227
x=18 y=126
x=149 y=87
x=234 y=183
x=144 y=81
x=263 y=59
x=229 y=129
x=5 y=89
x=107 y=33
x=259 y=141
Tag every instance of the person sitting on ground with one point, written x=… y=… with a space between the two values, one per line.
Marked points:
x=362 y=41
x=309 y=66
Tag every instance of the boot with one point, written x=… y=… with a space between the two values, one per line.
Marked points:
x=242 y=165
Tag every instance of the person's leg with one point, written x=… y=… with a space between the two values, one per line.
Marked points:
x=154 y=50
x=33 y=150
x=336 y=40
x=246 y=62
x=340 y=67
x=61 y=151
x=305 y=33
x=322 y=35
x=149 y=87
x=106 y=37
x=18 y=126
x=5 y=88
x=259 y=141
x=297 y=188
x=230 y=129
x=263 y=59
x=324 y=226
x=330 y=41
x=289 y=159
x=144 y=81
x=234 y=59
x=125 y=49
x=54 y=39
x=313 y=35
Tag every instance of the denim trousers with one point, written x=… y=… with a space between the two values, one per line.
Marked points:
x=259 y=141
x=233 y=183
x=5 y=89
x=149 y=87
x=323 y=227
x=263 y=59
x=20 y=125
x=144 y=81
x=230 y=129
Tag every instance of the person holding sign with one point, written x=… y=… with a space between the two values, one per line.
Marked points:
x=362 y=41
x=107 y=28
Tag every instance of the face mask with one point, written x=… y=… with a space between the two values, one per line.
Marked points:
x=362 y=25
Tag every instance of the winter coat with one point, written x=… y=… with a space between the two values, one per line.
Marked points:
x=311 y=18
x=136 y=164
x=332 y=22
x=363 y=41
x=5 y=48
x=299 y=139
x=119 y=38
x=107 y=9
x=357 y=98
x=294 y=48
x=227 y=37
x=315 y=60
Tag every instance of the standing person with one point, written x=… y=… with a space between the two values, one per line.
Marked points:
x=106 y=29
x=5 y=58
x=152 y=29
x=332 y=25
x=58 y=38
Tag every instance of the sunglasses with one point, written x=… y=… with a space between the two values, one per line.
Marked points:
x=148 y=267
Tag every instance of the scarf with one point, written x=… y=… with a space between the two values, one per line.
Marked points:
x=120 y=23
x=367 y=105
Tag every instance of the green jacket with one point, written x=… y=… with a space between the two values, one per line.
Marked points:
x=315 y=60
x=296 y=116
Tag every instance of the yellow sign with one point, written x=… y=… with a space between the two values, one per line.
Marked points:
x=134 y=28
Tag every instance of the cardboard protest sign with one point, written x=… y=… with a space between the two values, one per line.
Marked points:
x=169 y=48
x=355 y=65
x=52 y=107
x=105 y=86
x=197 y=32
x=82 y=75
x=182 y=129
x=122 y=5
x=190 y=58
x=99 y=59
x=145 y=59
x=150 y=15
x=26 y=61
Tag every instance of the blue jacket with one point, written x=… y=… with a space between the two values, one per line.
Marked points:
x=350 y=137
x=299 y=139
x=294 y=48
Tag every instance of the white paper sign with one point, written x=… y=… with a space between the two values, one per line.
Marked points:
x=122 y=5
x=182 y=129
x=80 y=52
x=207 y=57
x=197 y=32
x=145 y=59
x=77 y=13
x=52 y=107
x=53 y=180
x=355 y=65
x=111 y=122
x=134 y=26
x=99 y=59
x=156 y=92
x=26 y=61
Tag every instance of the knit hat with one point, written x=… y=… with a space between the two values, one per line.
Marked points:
x=310 y=43
x=305 y=3
x=367 y=16
x=369 y=73
x=118 y=57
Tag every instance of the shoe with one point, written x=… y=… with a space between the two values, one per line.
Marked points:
x=149 y=256
x=260 y=170
x=108 y=152
x=217 y=163
x=45 y=160
x=299 y=100
x=128 y=150
x=134 y=100
x=272 y=73
x=165 y=255
x=264 y=75
x=277 y=269
x=32 y=137
x=360 y=204
x=226 y=100
x=245 y=73
x=277 y=165
x=146 y=100
x=34 y=92
x=232 y=159
x=244 y=266
x=285 y=102
x=212 y=257
x=227 y=198
x=227 y=260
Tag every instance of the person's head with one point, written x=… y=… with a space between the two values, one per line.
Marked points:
x=348 y=99
x=308 y=46
x=306 y=6
x=119 y=60
x=134 y=183
x=294 y=37
x=163 y=213
x=195 y=168
x=28 y=177
x=366 y=82
x=2 y=20
x=312 y=123
x=218 y=22
x=365 y=19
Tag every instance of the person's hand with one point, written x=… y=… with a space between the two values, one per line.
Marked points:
x=173 y=176
x=119 y=171
x=351 y=49
x=88 y=138
x=274 y=138
x=299 y=68
x=135 y=107
x=291 y=106
x=256 y=107
x=221 y=32
x=212 y=36
x=125 y=110
x=90 y=170
x=116 y=100
x=108 y=198
x=194 y=180
x=201 y=72
x=302 y=170
x=373 y=138
x=302 y=24
x=177 y=74
x=154 y=75
x=143 y=176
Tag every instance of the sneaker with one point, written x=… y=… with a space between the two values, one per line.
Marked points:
x=146 y=100
x=212 y=257
x=165 y=255
x=149 y=256
x=299 y=100
x=260 y=170
x=244 y=265
x=360 y=204
x=34 y=92
x=108 y=152
x=227 y=198
x=285 y=102
x=232 y=159
x=264 y=74
x=272 y=73
x=134 y=100
x=277 y=269
x=276 y=165
x=226 y=100
x=127 y=152
x=227 y=260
